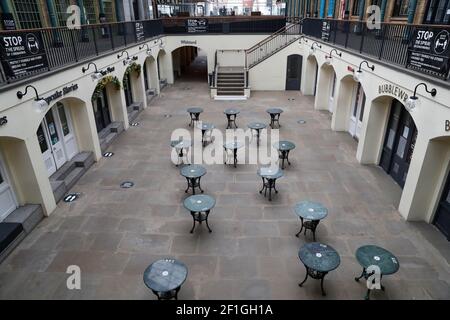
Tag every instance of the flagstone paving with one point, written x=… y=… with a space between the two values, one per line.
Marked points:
x=113 y=234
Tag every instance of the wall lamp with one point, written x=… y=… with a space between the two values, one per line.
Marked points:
x=127 y=59
x=300 y=39
x=148 y=51
x=96 y=75
x=329 y=58
x=39 y=104
x=413 y=101
x=161 y=43
x=357 y=75
x=311 y=50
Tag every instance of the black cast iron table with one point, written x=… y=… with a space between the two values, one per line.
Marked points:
x=205 y=127
x=194 y=113
x=182 y=149
x=231 y=117
x=371 y=255
x=310 y=214
x=193 y=173
x=257 y=126
x=318 y=259
x=165 y=277
x=234 y=146
x=284 y=147
x=269 y=178
x=274 y=116
x=200 y=207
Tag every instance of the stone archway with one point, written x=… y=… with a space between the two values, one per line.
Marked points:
x=326 y=85
x=310 y=78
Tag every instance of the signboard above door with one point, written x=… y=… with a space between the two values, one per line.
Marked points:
x=196 y=25
x=429 y=51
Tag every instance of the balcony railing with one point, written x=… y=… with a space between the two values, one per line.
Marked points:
x=390 y=43
x=63 y=47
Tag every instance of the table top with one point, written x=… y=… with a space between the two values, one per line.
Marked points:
x=319 y=257
x=257 y=125
x=232 y=111
x=310 y=210
x=270 y=173
x=284 y=145
x=199 y=203
x=373 y=255
x=173 y=143
x=206 y=126
x=165 y=275
x=195 y=110
x=233 y=145
x=183 y=144
x=193 y=171
x=274 y=110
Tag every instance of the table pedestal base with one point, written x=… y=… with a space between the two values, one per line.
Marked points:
x=199 y=217
x=309 y=225
x=193 y=183
x=168 y=295
x=318 y=275
x=366 y=276
x=268 y=184
x=231 y=121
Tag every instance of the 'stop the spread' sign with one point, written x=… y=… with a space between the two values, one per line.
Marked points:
x=22 y=54
x=326 y=28
x=429 y=51
x=196 y=25
x=139 y=31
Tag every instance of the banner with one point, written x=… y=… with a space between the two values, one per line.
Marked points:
x=196 y=25
x=429 y=51
x=139 y=31
x=22 y=53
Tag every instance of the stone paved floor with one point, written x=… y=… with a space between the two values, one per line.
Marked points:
x=113 y=233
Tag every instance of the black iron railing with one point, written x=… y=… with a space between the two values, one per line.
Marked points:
x=389 y=43
x=269 y=46
x=63 y=46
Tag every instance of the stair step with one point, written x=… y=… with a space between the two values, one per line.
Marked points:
x=230 y=88
x=62 y=172
x=84 y=159
x=73 y=177
x=133 y=115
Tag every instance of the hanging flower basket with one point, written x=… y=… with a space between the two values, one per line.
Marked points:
x=103 y=82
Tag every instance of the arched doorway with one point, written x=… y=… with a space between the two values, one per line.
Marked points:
x=56 y=137
x=190 y=64
x=399 y=142
x=8 y=200
x=311 y=76
x=294 y=71
x=101 y=102
x=327 y=84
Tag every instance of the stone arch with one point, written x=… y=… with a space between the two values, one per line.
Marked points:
x=326 y=79
x=133 y=85
x=183 y=56
x=150 y=69
x=310 y=76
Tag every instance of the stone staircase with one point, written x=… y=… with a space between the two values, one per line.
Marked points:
x=230 y=81
x=133 y=110
x=109 y=134
x=66 y=176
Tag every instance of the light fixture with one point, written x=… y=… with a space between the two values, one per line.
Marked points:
x=39 y=104
x=300 y=39
x=161 y=43
x=357 y=75
x=148 y=51
x=329 y=58
x=96 y=75
x=312 y=50
x=127 y=59
x=413 y=101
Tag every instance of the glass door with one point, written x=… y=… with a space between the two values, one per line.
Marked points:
x=332 y=92
x=294 y=72
x=101 y=111
x=8 y=202
x=358 y=112
x=67 y=132
x=442 y=216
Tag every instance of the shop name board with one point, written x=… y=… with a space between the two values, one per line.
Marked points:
x=191 y=42
x=429 y=51
x=394 y=91
x=107 y=70
x=60 y=93
x=22 y=53
x=196 y=25
x=8 y=21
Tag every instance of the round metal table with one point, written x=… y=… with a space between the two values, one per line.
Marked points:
x=194 y=113
x=370 y=256
x=205 y=127
x=284 y=147
x=231 y=114
x=269 y=177
x=200 y=207
x=318 y=259
x=182 y=148
x=165 y=277
x=274 y=116
x=234 y=146
x=310 y=214
x=193 y=173
x=257 y=126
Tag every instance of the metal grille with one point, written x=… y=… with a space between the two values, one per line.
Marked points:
x=109 y=11
x=27 y=12
x=89 y=11
x=61 y=11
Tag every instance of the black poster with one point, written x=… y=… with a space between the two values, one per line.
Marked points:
x=22 y=53
x=139 y=31
x=326 y=28
x=8 y=21
x=196 y=25
x=429 y=51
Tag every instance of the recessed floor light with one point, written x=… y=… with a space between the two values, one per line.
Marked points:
x=127 y=184
x=301 y=121
x=108 y=154
x=134 y=124
x=71 y=197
